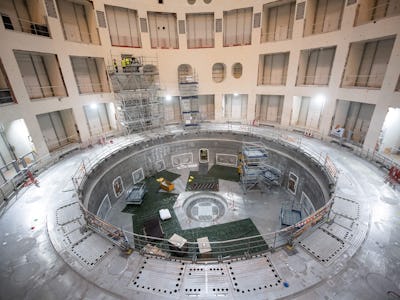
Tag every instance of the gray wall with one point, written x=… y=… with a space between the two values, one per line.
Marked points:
x=144 y=156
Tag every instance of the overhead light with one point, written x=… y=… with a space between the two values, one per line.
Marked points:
x=235 y=94
x=93 y=105
x=320 y=99
x=118 y=107
x=168 y=97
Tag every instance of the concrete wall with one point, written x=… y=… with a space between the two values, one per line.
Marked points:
x=312 y=180
x=202 y=60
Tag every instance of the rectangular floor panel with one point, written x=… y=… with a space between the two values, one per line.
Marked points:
x=91 y=249
x=346 y=207
x=159 y=276
x=207 y=280
x=323 y=245
x=257 y=275
x=68 y=213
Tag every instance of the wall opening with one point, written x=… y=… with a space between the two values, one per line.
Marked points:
x=238 y=27
x=351 y=120
x=58 y=128
x=269 y=109
x=123 y=26
x=272 y=69
x=200 y=30
x=78 y=21
x=315 y=66
x=163 y=30
x=235 y=107
x=41 y=74
x=367 y=62
x=389 y=139
x=278 y=20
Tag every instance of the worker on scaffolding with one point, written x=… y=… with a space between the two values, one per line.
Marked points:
x=123 y=65
x=115 y=65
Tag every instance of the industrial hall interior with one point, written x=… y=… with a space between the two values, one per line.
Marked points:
x=200 y=149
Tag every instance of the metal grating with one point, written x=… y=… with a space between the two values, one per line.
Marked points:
x=51 y=8
x=218 y=25
x=181 y=26
x=68 y=213
x=346 y=207
x=101 y=19
x=300 y=10
x=257 y=20
x=168 y=275
x=206 y=280
x=350 y=2
x=91 y=249
x=324 y=252
x=256 y=275
x=143 y=25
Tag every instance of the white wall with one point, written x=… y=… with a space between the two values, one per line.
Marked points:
x=391 y=131
x=18 y=136
x=202 y=60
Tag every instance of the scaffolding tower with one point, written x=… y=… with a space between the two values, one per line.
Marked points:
x=136 y=90
x=255 y=172
x=189 y=99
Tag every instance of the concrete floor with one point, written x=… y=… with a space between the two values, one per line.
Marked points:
x=36 y=263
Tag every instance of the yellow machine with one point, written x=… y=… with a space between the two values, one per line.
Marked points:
x=166 y=185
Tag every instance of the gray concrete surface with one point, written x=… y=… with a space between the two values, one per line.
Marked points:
x=38 y=262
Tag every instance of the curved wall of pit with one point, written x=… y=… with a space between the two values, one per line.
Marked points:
x=312 y=177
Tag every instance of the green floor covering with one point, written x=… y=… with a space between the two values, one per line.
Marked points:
x=155 y=200
x=225 y=173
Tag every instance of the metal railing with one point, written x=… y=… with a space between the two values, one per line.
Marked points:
x=281 y=33
x=37 y=92
x=374 y=13
x=73 y=33
x=372 y=81
x=220 y=249
x=313 y=80
x=23 y=25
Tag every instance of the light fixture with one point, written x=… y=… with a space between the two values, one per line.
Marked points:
x=320 y=99
x=93 y=105
x=168 y=97
x=118 y=107
x=235 y=94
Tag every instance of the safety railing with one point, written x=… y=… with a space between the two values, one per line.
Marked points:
x=93 y=88
x=198 y=43
x=5 y=96
x=23 y=25
x=220 y=250
x=371 y=81
x=313 y=80
x=246 y=246
x=38 y=92
x=73 y=33
x=376 y=12
x=280 y=33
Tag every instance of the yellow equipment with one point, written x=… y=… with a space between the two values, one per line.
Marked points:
x=166 y=185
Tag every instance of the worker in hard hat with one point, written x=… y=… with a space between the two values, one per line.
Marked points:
x=115 y=65
x=123 y=64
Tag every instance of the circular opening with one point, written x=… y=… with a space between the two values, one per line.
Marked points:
x=207 y=1
x=237 y=70
x=205 y=207
x=191 y=2
x=218 y=72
